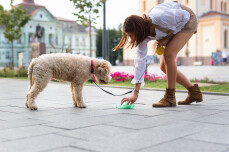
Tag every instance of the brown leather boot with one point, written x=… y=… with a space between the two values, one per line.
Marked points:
x=194 y=95
x=169 y=99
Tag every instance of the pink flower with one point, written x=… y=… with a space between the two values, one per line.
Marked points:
x=122 y=76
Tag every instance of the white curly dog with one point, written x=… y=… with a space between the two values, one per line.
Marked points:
x=73 y=68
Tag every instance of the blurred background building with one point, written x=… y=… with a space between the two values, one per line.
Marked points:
x=58 y=35
x=212 y=35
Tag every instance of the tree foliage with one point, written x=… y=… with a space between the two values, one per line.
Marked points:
x=87 y=13
x=13 y=20
x=114 y=36
x=87 y=10
x=11 y=2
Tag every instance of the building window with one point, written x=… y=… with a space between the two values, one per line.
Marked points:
x=211 y=4
x=65 y=40
x=70 y=41
x=30 y=37
x=226 y=39
x=41 y=15
x=83 y=42
x=19 y=41
x=187 y=2
x=77 y=42
x=221 y=6
x=56 y=40
x=225 y=7
x=160 y=1
x=8 y=57
x=144 y=6
x=51 y=39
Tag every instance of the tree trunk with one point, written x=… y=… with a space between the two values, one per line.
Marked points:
x=12 y=54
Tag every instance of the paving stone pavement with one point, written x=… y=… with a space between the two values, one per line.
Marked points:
x=58 y=126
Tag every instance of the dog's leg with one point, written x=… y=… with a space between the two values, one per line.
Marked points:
x=26 y=103
x=73 y=95
x=77 y=89
x=37 y=87
x=30 y=77
x=27 y=98
x=32 y=94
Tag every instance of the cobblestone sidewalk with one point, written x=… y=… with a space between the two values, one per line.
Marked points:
x=57 y=126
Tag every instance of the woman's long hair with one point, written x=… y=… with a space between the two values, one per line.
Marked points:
x=138 y=28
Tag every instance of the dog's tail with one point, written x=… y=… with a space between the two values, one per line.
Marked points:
x=30 y=71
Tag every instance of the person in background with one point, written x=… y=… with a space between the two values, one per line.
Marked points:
x=224 y=56
x=212 y=61
x=172 y=25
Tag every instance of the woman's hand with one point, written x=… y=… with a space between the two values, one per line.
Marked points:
x=163 y=42
x=130 y=100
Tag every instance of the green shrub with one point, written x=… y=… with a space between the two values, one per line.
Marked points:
x=21 y=72
x=8 y=72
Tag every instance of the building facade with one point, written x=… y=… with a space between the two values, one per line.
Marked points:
x=212 y=35
x=59 y=35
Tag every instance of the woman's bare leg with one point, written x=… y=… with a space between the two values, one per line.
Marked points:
x=181 y=78
x=168 y=66
x=170 y=52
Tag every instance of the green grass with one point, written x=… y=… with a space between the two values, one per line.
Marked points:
x=217 y=88
x=222 y=87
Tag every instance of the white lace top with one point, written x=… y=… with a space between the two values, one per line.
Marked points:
x=167 y=15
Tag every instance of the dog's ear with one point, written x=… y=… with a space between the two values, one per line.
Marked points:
x=103 y=70
x=103 y=67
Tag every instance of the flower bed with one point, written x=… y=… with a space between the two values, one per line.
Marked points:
x=123 y=77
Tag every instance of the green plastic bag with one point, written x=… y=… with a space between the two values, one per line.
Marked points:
x=125 y=106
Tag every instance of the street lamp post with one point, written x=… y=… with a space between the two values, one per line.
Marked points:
x=104 y=31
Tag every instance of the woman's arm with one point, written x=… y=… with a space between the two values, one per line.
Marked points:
x=137 y=87
x=140 y=62
x=140 y=66
x=134 y=97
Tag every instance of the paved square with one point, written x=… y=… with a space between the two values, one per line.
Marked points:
x=58 y=126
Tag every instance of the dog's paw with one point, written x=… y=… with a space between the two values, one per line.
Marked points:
x=33 y=106
x=26 y=104
x=82 y=105
x=75 y=104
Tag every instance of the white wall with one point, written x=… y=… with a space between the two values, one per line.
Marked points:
x=208 y=40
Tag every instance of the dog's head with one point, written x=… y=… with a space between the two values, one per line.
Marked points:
x=103 y=71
